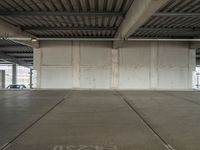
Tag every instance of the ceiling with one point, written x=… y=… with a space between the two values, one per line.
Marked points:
x=12 y=52
x=178 y=19
x=66 y=18
x=99 y=18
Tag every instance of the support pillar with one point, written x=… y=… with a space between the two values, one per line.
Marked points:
x=31 y=78
x=2 y=78
x=14 y=74
x=37 y=63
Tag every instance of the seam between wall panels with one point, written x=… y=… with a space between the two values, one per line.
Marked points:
x=118 y=65
x=191 y=66
x=158 y=64
x=150 y=70
x=111 y=72
x=76 y=63
x=114 y=68
x=188 y=74
x=40 y=67
x=153 y=80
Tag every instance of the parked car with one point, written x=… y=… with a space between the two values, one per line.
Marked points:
x=16 y=86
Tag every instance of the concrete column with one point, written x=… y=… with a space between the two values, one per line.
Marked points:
x=14 y=74
x=2 y=78
x=154 y=66
x=76 y=64
x=192 y=68
x=37 y=58
x=115 y=68
x=31 y=78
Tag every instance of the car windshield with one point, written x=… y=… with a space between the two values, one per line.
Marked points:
x=14 y=86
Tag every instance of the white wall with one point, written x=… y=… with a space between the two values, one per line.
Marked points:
x=134 y=65
x=56 y=64
x=95 y=65
x=173 y=65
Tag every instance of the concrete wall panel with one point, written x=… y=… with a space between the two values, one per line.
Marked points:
x=57 y=53
x=173 y=65
x=56 y=77
x=134 y=66
x=97 y=78
x=95 y=54
x=95 y=65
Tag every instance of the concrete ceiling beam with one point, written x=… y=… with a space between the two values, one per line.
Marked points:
x=8 y=31
x=139 y=12
x=195 y=45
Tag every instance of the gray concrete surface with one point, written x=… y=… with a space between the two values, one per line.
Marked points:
x=19 y=109
x=96 y=65
x=175 y=116
x=99 y=120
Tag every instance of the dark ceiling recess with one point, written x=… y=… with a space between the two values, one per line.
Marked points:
x=15 y=53
x=66 y=18
x=178 y=19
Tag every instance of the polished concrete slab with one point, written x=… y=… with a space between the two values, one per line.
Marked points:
x=99 y=120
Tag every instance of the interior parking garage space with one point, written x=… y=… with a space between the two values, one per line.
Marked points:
x=99 y=75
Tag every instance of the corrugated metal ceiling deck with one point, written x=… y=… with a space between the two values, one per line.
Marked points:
x=13 y=52
x=178 y=19
x=99 y=18
x=66 y=18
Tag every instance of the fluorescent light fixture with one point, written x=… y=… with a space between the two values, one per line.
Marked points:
x=34 y=40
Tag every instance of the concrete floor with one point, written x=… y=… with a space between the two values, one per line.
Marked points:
x=99 y=120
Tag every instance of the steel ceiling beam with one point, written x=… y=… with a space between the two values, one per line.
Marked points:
x=170 y=29
x=198 y=56
x=60 y=13
x=184 y=32
x=12 y=59
x=20 y=54
x=66 y=28
x=15 y=48
x=25 y=59
x=23 y=46
x=172 y=34
x=161 y=14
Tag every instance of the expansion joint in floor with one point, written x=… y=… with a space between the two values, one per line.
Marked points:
x=156 y=134
x=5 y=146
